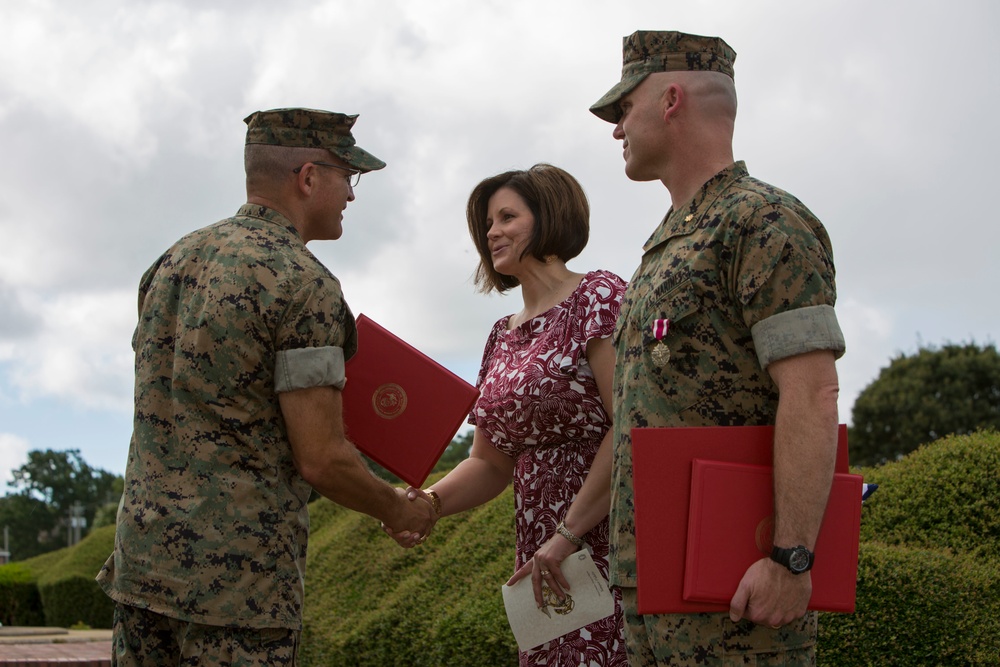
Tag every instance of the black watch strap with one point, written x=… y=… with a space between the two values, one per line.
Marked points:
x=797 y=559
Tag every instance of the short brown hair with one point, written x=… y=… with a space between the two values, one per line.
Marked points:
x=558 y=205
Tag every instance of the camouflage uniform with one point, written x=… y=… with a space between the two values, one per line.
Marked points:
x=744 y=274
x=142 y=637
x=213 y=524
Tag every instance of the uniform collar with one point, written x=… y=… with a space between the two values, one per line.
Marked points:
x=686 y=218
x=261 y=212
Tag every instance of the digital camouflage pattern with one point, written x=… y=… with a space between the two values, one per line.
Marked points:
x=712 y=640
x=213 y=523
x=145 y=639
x=310 y=128
x=738 y=257
x=647 y=51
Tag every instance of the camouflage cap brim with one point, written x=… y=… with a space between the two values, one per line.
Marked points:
x=607 y=108
x=358 y=158
x=311 y=128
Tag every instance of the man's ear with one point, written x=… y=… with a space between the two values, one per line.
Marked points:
x=306 y=179
x=673 y=100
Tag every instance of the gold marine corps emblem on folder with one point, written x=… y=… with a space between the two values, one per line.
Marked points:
x=389 y=401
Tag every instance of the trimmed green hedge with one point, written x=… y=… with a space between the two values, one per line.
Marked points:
x=64 y=588
x=69 y=592
x=945 y=495
x=929 y=563
x=369 y=602
x=20 y=603
x=916 y=607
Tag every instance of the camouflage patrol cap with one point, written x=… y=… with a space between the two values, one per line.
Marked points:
x=310 y=128
x=647 y=51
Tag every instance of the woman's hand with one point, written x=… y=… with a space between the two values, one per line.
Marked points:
x=544 y=568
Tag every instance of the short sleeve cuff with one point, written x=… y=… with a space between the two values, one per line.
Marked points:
x=309 y=367
x=798 y=331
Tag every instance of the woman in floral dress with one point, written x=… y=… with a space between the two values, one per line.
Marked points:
x=543 y=416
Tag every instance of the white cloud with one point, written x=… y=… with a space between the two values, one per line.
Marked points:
x=13 y=455
x=82 y=353
x=868 y=332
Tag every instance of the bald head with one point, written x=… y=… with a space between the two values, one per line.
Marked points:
x=710 y=95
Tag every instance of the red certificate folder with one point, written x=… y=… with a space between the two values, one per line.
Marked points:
x=662 y=481
x=401 y=408
x=730 y=526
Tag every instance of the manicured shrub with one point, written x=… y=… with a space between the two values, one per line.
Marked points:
x=916 y=608
x=369 y=602
x=67 y=587
x=20 y=603
x=945 y=495
x=72 y=600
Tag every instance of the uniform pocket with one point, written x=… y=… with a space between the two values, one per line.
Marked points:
x=688 y=359
x=674 y=305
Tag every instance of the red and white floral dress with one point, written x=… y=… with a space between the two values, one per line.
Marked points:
x=539 y=404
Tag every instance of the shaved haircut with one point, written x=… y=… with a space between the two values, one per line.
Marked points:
x=266 y=164
x=712 y=92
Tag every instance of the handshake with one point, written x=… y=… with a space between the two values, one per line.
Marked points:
x=417 y=522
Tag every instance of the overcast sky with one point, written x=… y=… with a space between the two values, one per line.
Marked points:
x=121 y=130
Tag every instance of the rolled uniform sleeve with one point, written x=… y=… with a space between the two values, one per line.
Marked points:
x=785 y=284
x=317 y=336
x=310 y=367
x=798 y=331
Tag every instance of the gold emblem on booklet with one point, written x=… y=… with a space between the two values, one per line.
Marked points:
x=551 y=600
x=389 y=401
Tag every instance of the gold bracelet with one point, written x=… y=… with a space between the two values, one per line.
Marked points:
x=564 y=531
x=435 y=500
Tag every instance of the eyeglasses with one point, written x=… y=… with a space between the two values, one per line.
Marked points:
x=354 y=176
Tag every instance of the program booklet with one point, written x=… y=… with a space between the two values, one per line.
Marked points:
x=588 y=599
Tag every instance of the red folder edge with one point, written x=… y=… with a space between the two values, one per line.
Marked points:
x=661 y=477
x=438 y=402
x=719 y=552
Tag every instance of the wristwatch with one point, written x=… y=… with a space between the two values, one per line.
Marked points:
x=796 y=559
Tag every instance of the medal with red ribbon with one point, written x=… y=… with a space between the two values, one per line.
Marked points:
x=661 y=353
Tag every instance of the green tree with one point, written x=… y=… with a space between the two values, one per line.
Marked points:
x=456 y=452
x=30 y=526
x=920 y=398
x=62 y=480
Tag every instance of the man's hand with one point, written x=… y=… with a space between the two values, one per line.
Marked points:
x=412 y=522
x=770 y=594
x=410 y=538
